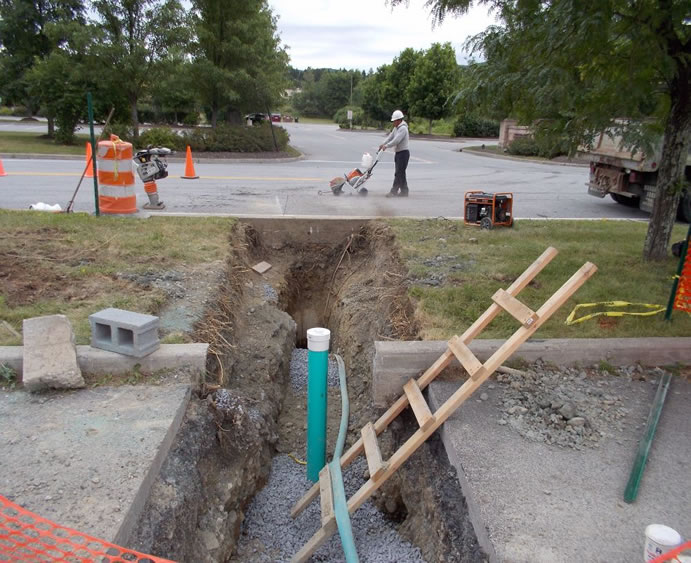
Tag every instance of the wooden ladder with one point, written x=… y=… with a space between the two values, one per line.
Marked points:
x=379 y=469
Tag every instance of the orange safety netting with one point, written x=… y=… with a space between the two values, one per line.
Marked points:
x=682 y=300
x=26 y=537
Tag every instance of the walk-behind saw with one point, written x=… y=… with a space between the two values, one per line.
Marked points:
x=354 y=181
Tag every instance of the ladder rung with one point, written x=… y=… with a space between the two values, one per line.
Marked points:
x=424 y=416
x=326 y=495
x=372 y=452
x=468 y=360
x=515 y=308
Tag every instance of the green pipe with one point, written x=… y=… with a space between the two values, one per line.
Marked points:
x=345 y=530
x=317 y=371
x=639 y=462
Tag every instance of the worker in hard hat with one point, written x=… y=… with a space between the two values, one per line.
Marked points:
x=398 y=138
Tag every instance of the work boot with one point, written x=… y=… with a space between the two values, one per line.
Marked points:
x=392 y=194
x=403 y=193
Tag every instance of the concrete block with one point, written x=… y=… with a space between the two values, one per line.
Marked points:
x=50 y=354
x=124 y=332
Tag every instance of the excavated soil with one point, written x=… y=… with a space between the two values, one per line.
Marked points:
x=245 y=411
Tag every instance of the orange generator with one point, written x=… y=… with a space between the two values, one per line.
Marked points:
x=488 y=210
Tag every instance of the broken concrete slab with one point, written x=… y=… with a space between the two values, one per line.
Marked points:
x=395 y=362
x=532 y=502
x=50 y=354
x=87 y=459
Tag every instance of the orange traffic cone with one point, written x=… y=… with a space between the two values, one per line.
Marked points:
x=89 y=165
x=189 y=166
x=2 y=170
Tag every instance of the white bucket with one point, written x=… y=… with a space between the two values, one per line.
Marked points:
x=318 y=339
x=659 y=539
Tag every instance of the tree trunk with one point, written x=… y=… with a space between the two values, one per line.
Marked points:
x=134 y=116
x=214 y=116
x=670 y=174
x=430 y=125
x=51 y=126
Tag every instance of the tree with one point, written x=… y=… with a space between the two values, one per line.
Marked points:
x=398 y=77
x=238 y=61
x=374 y=103
x=137 y=36
x=586 y=63
x=434 y=80
x=23 y=40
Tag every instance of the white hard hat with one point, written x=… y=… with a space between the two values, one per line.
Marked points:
x=398 y=114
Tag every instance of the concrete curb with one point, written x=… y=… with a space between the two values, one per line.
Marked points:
x=533 y=160
x=396 y=362
x=95 y=360
x=175 y=159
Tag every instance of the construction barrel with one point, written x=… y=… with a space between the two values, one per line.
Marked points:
x=116 y=194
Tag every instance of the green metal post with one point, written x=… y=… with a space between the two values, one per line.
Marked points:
x=90 y=106
x=317 y=371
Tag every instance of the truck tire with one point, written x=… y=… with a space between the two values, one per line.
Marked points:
x=627 y=201
x=684 y=209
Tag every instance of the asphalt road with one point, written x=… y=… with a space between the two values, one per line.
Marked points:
x=438 y=176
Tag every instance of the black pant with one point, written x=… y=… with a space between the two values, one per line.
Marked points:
x=399 y=180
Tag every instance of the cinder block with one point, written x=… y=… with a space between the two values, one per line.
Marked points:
x=124 y=332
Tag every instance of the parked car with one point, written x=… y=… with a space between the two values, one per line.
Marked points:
x=287 y=118
x=276 y=117
x=255 y=117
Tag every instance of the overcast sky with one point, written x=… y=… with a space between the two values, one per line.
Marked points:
x=365 y=34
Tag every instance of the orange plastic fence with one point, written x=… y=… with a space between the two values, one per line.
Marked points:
x=672 y=555
x=682 y=300
x=26 y=537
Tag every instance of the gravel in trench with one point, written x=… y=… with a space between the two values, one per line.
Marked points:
x=269 y=533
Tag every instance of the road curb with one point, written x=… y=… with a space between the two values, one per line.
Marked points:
x=532 y=160
x=395 y=362
x=202 y=160
x=95 y=360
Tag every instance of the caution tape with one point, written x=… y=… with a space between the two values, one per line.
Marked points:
x=295 y=459
x=570 y=320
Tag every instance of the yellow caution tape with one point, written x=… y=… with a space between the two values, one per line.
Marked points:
x=297 y=460
x=570 y=320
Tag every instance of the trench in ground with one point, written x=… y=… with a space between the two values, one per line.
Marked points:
x=344 y=276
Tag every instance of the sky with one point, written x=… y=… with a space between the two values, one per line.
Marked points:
x=365 y=34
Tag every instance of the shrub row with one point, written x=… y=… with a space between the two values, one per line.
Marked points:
x=543 y=146
x=225 y=138
x=470 y=126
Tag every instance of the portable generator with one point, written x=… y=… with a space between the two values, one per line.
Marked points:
x=488 y=210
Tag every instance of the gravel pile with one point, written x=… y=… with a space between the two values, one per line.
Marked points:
x=298 y=370
x=567 y=407
x=269 y=533
x=269 y=293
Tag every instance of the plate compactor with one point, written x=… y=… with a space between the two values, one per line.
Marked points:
x=488 y=210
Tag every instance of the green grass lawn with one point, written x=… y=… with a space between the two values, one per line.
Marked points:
x=472 y=264
x=13 y=142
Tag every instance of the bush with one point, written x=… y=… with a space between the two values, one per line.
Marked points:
x=470 y=126
x=550 y=144
x=160 y=137
x=20 y=111
x=341 y=117
x=4 y=110
x=523 y=146
x=236 y=138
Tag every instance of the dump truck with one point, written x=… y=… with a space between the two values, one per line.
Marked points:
x=630 y=177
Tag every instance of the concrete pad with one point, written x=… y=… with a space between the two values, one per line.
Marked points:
x=50 y=356
x=535 y=503
x=87 y=459
x=395 y=362
x=94 y=360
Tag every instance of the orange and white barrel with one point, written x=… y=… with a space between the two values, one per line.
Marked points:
x=116 y=177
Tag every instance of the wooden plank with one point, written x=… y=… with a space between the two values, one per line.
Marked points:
x=468 y=360
x=326 y=495
x=514 y=307
x=418 y=404
x=435 y=369
x=261 y=267
x=375 y=463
